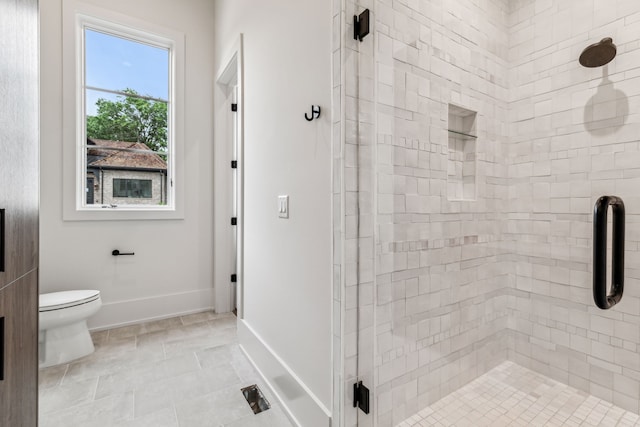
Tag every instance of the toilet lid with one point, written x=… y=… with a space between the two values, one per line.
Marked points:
x=58 y=300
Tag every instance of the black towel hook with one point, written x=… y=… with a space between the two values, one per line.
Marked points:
x=315 y=113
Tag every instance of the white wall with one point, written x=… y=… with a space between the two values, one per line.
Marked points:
x=287 y=263
x=172 y=270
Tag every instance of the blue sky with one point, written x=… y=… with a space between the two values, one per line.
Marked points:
x=115 y=63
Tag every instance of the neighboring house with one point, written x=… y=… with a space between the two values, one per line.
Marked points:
x=120 y=172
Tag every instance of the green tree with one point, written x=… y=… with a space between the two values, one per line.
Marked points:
x=130 y=119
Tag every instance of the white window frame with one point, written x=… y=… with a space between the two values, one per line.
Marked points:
x=76 y=17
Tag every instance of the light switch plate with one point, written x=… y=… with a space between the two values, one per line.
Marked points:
x=283 y=206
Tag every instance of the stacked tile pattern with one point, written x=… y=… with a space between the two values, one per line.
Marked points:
x=433 y=292
x=441 y=273
x=574 y=136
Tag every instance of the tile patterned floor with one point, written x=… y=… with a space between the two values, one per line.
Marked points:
x=181 y=372
x=511 y=395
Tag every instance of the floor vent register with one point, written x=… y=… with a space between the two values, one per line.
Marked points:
x=255 y=399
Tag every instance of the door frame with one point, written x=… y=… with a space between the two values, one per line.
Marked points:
x=230 y=76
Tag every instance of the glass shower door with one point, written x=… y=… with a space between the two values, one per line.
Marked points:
x=480 y=145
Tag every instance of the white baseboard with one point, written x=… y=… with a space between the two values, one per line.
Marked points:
x=298 y=401
x=123 y=313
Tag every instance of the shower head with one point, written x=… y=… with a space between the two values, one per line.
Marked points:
x=598 y=54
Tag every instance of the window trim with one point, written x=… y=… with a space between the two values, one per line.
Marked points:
x=77 y=16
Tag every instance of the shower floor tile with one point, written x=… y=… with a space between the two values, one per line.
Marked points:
x=510 y=395
x=185 y=371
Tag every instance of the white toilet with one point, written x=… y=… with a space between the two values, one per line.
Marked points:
x=64 y=335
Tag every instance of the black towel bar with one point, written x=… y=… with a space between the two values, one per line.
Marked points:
x=116 y=252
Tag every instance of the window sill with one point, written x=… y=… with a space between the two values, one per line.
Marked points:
x=122 y=214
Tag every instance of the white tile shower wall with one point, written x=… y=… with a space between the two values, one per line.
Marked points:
x=441 y=272
x=452 y=288
x=574 y=136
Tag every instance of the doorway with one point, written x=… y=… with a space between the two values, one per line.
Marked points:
x=228 y=185
x=234 y=197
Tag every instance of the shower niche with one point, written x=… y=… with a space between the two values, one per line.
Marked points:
x=461 y=162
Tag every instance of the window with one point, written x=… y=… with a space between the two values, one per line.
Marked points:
x=132 y=188
x=126 y=90
x=128 y=76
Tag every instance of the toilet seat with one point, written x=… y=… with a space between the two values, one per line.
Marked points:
x=60 y=300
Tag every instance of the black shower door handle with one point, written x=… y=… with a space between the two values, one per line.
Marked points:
x=603 y=299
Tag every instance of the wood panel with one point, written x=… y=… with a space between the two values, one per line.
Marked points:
x=19 y=142
x=19 y=388
x=19 y=135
